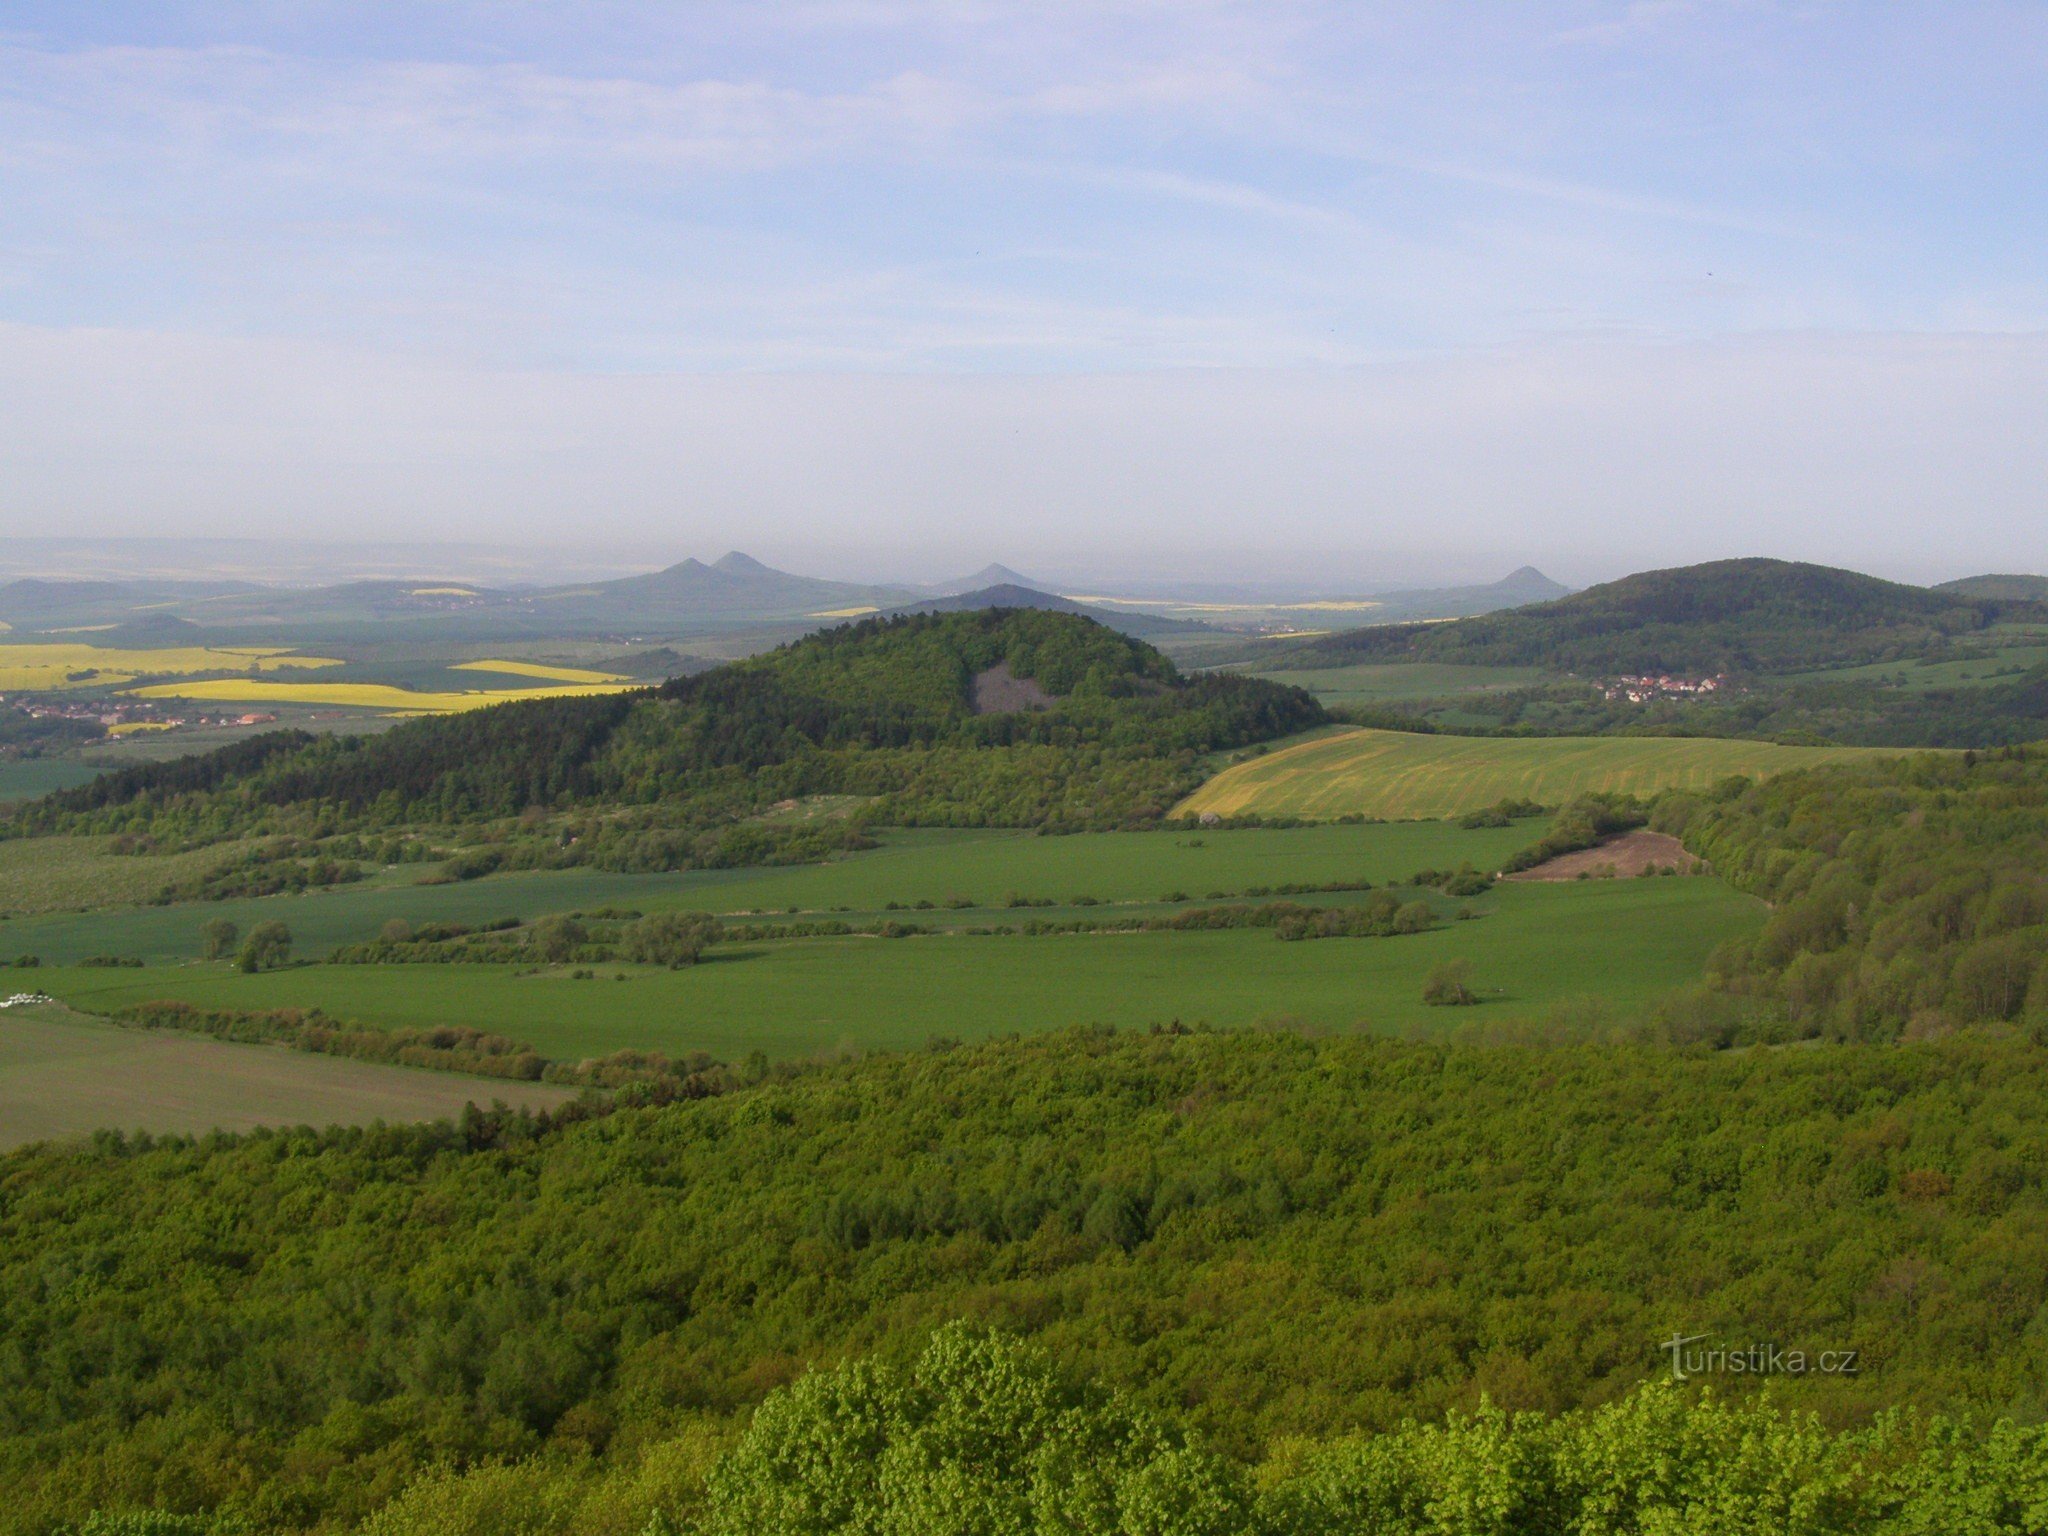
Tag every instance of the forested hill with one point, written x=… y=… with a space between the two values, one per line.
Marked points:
x=991 y=717
x=1734 y=616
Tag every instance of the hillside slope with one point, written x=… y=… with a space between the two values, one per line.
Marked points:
x=884 y=709
x=2000 y=589
x=1737 y=616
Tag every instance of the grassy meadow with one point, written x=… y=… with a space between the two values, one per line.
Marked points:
x=985 y=867
x=1397 y=774
x=1533 y=948
x=65 y=1075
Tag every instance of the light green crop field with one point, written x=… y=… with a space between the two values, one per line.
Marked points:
x=1401 y=774
x=1385 y=682
x=63 y=1075
x=1624 y=941
x=986 y=867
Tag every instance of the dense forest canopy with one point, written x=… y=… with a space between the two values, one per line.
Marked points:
x=1907 y=893
x=1736 y=616
x=1267 y=1236
x=882 y=708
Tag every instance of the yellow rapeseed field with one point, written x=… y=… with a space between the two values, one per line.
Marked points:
x=251 y=690
x=538 y=669
x=42 y=667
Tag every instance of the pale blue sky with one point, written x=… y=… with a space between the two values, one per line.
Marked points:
x=1605 y=283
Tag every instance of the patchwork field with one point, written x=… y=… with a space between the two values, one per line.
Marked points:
x=63 y=1075
x=985 y=867
x=1397 y=774
x=238 y=690
x=538 y=669
x=42 y=667
x=1533 y=948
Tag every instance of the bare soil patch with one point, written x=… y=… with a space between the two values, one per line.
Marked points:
x=1629 y=854
x=999 y=691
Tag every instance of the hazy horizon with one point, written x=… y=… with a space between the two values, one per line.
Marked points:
x=1193 y=288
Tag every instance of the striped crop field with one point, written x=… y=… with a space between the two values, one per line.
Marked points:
x=539 y=669
x=250 y=690
x=1399 y=775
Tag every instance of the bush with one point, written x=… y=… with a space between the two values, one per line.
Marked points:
x=268 y=946
x=1447 y=986
x=217 y=939
x=673 y=939
x=557 y=938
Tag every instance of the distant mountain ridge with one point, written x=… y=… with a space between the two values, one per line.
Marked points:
x=1750 y=615
x=1514 y=590
x=1012 y=595
x=991 y=575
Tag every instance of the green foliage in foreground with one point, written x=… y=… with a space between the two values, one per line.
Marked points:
x=981 y=1434
x=1265 y=1237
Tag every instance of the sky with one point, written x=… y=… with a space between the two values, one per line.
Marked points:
x=1352 y=292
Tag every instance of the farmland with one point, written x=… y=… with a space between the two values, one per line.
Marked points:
x=41 y=667
x=1396 y=774
x=543 y=670
x=239 y=690
x=25 y=778
x=1533 y=948
x=988 y=868
x=63 y=1075
x=1384 y=682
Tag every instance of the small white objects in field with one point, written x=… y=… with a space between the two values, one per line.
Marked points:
x=27 y=999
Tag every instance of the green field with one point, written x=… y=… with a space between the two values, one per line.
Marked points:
x=1397 y=774
x=1626 y=940
x=986 y=867
x=62 y=1075
x=27 y=778
x=1385 y=682
x=2008 y=660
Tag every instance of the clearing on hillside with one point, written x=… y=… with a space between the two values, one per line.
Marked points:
x=63 y=1075
x=1400 y=775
